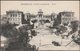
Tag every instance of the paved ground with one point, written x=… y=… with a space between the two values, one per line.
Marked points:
x=44 y=39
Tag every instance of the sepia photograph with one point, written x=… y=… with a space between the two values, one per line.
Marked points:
x=40 y=26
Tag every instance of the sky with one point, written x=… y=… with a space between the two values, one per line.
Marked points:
x=47 y=7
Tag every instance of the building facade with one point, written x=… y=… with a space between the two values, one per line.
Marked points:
x=65 y=17
x=40 y=16
x=27 y=16
x=40 y=19
x=15 y=17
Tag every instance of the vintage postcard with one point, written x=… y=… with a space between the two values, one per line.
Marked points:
x=40 y=26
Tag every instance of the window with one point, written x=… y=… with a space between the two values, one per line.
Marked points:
x=15 y=15
x=11 y=15
x=19 y=14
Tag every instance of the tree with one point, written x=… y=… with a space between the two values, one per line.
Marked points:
x=23 y=33
x=74 y=26
x=7 y=29
x=55 y=23
x=33 y=33
x=34 y=21
x=47 y=21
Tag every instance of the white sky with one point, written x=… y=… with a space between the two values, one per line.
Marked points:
x=58 y=6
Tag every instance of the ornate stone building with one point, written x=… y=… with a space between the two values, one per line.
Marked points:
x=65 y=17
x=40 y=17
x=15 y=17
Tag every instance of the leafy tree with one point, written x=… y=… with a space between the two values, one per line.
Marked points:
x=24 y=37
x=47 y=21
x=55 y=23
x=9 y=31
x=34 y=21
x=74 y=25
